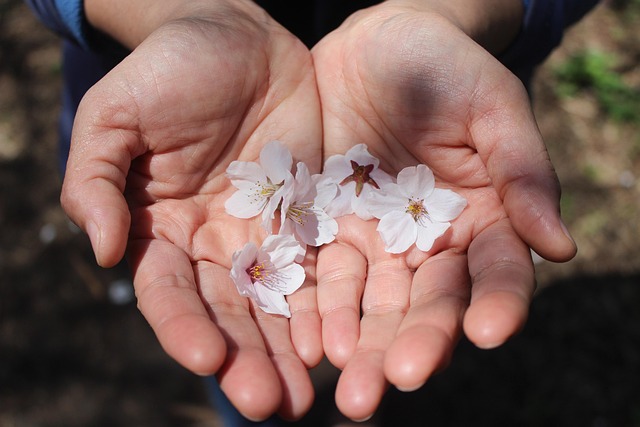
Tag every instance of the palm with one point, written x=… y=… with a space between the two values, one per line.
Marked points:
x=428 y=101
x=172 y=117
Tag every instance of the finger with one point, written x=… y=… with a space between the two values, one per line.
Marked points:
x=92 y=191
x=248 y=376
x=297 y=390
x=503 y=283
x=305 y=322
x=168 y=298
x=521 y=170
x=384 y=304
x=341 y=274
x=430 y=330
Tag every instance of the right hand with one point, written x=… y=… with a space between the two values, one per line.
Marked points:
x=146 y=172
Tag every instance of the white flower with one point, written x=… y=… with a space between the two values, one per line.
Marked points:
x=260 y=186
x=268 y=273
x=303 y=204
x=357 y=174
x=413 y=210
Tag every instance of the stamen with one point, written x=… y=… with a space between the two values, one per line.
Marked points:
x=300 y=211
x=264 y=190
x=267 y=276
x=416 y=209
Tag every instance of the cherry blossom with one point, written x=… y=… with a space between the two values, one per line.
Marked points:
x=303 y=208
x=413 y=210
x=268 y=273
x=357 y=174
x=260 y=186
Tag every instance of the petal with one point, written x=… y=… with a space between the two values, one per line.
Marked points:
x=428 y=235
x=444 y=205
x=244 y=205
x=326 y=190
x=245 y=257
x=304 y=188
x=271 y=302
x=398 y=231
x=380 y=203
x=295 y=276
x=337 y=168
x=341 y=204
x=245 y=175
x=317 y=229
x=361 y=156
x=240 y=262
x=276 y=161
x=282 y=249
x=381 y=177
x=416 y=181
x=360 y=204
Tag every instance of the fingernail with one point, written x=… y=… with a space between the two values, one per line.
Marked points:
x=565 y=230
x=93 y=231
x=409 y=389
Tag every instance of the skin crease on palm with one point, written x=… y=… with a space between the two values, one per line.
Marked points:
x=152 y=140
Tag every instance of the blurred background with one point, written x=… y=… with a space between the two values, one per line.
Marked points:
x=74 y=350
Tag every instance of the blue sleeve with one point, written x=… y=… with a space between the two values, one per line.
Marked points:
x=65 y=17
x=542 y=29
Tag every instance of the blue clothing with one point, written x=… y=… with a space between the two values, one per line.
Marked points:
x=544 y=23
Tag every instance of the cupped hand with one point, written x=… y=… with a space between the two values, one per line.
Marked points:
x=146 y=172
x=414 y=88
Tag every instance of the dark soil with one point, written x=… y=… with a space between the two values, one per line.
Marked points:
x=74 y=350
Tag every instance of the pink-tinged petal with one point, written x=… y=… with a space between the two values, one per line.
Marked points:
x=317 y=229
x=271 y=302
x=281 y=249
x=304 y=186
x=382 y=178
x=360 y=204
x=444 y=205
x=398 y=231
x=245 y=175
x=276 y=161
x=285 y=191
x=337 y=168
x=416 y=181
x=244 y=205
x=380 y=203
x=341 y=204
x=240 y=261
x=428 y=235
x=361 y=156
x=326 y=190
x=295 y=276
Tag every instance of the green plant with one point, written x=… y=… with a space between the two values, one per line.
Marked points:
x=593 y=71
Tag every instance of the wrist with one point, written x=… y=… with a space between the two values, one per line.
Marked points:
x=493 y=24
x=131 y=22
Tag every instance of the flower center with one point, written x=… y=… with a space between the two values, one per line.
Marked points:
x=298 y=212
x=265 y=190
x=360 y=176
x=258 y=272
x=267 y=275
x=416 y=209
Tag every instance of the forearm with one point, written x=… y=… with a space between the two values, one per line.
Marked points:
x=130 y=22
x=493 y=24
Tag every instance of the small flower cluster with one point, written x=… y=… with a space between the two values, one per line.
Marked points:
x=410 y=209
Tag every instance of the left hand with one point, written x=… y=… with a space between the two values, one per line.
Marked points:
x=416 y=89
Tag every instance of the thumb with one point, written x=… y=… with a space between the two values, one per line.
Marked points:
x=523 y=175
x=94 y=182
